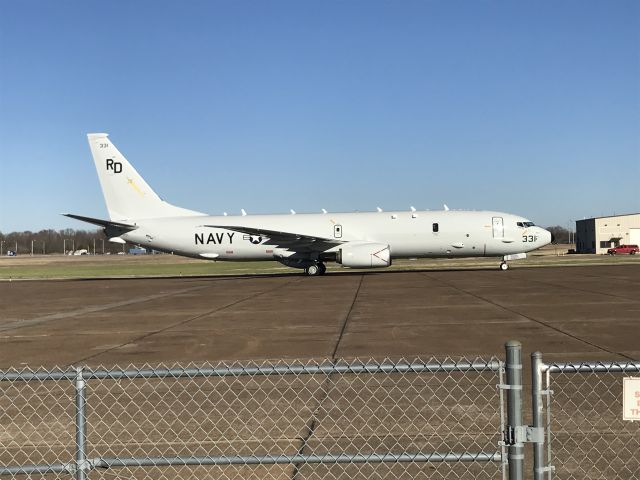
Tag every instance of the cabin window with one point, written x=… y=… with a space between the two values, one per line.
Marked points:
x=436 y=228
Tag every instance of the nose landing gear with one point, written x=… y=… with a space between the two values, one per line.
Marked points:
x=513 y=256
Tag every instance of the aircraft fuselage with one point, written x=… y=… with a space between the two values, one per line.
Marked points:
x=446 y=233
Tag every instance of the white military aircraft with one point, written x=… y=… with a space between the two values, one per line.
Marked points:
x=357 y=240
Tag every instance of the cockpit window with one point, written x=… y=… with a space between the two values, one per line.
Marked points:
x=526 y=224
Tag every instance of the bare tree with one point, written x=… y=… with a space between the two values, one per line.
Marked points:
x=561 y=234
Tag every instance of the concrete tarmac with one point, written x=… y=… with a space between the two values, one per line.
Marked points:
x=569 y=313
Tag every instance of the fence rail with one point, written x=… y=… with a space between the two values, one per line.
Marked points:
x=326 y=368
x=592 y=367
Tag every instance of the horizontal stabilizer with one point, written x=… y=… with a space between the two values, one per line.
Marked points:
x=103 y=223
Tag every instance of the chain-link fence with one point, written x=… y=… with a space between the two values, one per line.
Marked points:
x=587 y=437
x=318 y=419
x=413 y=419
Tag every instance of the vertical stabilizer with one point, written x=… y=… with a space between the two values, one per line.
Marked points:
x=127 y=195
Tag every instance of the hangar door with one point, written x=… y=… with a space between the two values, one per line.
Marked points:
x=498 y=227
x=634 y=236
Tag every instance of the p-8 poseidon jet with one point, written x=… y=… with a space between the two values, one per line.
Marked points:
x=307 y=241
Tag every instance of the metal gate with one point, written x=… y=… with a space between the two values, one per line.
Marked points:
x=579 y=405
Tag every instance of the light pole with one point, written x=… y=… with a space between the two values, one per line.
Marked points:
x=32 y=248
x=571 y=231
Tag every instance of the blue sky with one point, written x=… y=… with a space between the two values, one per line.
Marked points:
x=526 y=107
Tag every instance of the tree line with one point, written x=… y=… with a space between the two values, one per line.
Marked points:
x=562 y=235
x=57 y=241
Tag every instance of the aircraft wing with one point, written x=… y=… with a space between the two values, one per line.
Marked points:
x=291 y=241
x=103 y=223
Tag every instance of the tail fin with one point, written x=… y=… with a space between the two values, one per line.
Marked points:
x=126 y=193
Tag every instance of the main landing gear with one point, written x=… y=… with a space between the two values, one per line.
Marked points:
x=504 y=266
x=315 y=269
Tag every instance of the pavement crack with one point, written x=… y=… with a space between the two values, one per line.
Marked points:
x=583 y=290
x=327 y=385
x=18 y=324
x=184 y=322
x=540 y=322
x=346 y=319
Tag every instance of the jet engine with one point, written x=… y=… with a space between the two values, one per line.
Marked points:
x=364 y=255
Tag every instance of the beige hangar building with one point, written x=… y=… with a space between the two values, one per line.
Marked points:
x=596 y=235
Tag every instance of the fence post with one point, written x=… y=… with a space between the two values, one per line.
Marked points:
x=537 y=413
x=514 y=409
x=81 y=428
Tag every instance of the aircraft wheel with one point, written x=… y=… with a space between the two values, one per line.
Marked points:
x=312 y=270
x=504 y=266
x=323 y=268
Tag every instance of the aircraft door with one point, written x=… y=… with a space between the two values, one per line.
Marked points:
x=337 y=231
x=498 y=227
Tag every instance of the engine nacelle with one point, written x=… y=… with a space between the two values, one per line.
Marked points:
x=364 y=255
